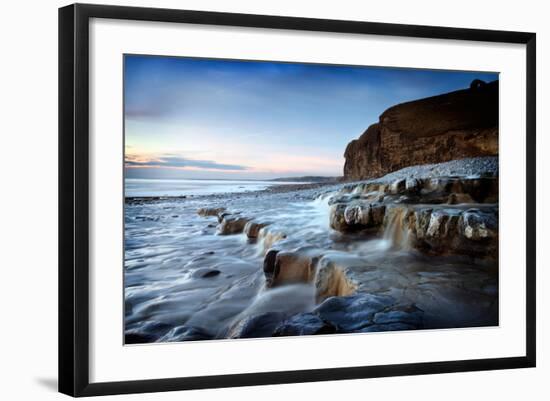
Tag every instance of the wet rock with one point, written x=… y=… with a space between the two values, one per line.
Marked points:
x=482 y=189
x=223 y=214
x=377 y=213
x=455 y=199
x=353 y=312
x=442 y=224
x=303 y=324
x=337 y=217
x=356 y=216
x=476 y=225
x=269 y=265
x=252 y=229
x=269 y=238
x=209 y=211
x=365 y=215
x=413 y=185
x=443 y=227
x=436 y=230
x=409 y=315
x=422 y=219
x=262 y=325
x=232 y=224
x=290 y=267
x=375 y=328
x=369 y=313
x=437 y=184
x=449 y=230
x=374 y=197
x=343 y=198
x=186 y=333
x=331 y=279
x=205 y=273
x=398 y=186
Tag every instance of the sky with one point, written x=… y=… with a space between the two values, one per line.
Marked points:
x=194 y=118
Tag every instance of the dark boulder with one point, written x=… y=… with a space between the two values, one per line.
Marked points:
x=252 y=229
x=232 y=224
x=205 y=273
x=288 y=267
x=353 y=312
x=262 y=325
x=304 y=324
x=210 y=211
x=375 y=328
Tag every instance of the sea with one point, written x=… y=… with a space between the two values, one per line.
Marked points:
x=137 y=187
x=181 y=274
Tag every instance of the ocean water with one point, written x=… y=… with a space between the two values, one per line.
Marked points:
x=147 y=187
x=168 y=246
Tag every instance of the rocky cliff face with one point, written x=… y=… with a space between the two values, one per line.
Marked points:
x=437 y=129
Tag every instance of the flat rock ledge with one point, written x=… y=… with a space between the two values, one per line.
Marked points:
x=233 y=222
x=444 y=215
x=359 y=313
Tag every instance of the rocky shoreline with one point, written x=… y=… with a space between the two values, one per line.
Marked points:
x=442 y=209
x=407 y=239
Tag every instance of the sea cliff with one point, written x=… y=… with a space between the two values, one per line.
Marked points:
x=437 y=129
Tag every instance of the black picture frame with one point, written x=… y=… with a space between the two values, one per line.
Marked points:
x=74 y=200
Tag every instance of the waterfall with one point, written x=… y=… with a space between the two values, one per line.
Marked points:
x=266 y=239
x=397 y=230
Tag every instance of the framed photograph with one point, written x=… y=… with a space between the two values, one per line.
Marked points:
x=250 y=199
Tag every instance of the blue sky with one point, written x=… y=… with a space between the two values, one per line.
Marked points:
x=207 y=118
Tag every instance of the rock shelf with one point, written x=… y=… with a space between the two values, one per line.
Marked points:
x=452 y=215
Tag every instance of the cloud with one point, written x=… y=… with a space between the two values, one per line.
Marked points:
x=144 y=112
x=171 y=161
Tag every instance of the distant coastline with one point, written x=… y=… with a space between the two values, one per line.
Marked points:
x=309 y=179
x=300 y=179
x=178 y=188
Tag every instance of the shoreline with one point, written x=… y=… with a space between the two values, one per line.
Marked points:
x=275 y=189
x=300 y=259
x=478 y=166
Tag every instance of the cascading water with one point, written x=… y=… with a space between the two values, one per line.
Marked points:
x=397 y=231
x=193 y=277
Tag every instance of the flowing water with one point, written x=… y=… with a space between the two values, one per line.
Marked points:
x=179 y=271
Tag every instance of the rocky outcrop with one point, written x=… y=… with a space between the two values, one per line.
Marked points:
x=451 y=126
x=210 y=211
x=262 y=325
x=447 y=212
x=444 y=215
x=303 y=324
x=252 y=229
x=288 y=267
x=368 y=312
x=230 y=223
x=340 y=314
